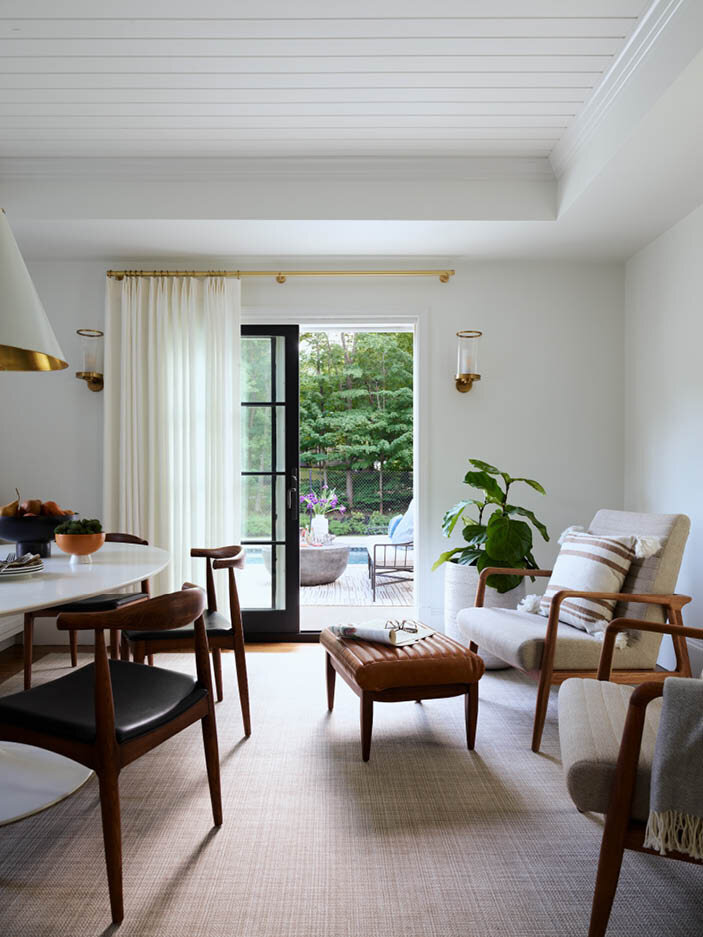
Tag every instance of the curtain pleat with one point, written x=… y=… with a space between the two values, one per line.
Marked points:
x=172 y=406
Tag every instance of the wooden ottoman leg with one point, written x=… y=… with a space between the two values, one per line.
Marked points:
x=366 y=724
x=471 y=700
x=331 y=674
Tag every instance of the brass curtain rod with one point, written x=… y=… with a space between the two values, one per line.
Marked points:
x=281 y=275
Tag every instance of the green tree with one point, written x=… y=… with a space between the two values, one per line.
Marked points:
x=356 y=403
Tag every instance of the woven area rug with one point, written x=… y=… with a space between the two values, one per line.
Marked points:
x=426 y=840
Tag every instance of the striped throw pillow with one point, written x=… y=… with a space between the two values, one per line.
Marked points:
x=589 y=563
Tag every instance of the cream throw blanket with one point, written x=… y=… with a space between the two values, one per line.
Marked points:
x=676 y=799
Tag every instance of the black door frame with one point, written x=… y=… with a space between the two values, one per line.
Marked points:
x=281 y=624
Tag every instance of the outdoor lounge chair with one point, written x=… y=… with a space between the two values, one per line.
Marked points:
x=390 y=562
x=392 y=559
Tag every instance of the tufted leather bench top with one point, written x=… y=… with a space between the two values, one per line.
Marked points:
x=434 y=661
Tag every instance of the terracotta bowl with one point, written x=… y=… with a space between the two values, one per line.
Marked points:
x=80 y=546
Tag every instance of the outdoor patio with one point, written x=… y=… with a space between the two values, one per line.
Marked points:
x=352 y=589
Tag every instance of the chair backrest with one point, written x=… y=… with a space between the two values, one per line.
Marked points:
x=130 y=538
x=656 y=574
x=210 y=554
x=125 y=538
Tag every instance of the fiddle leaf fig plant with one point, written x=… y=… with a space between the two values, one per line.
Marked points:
x=496 y=537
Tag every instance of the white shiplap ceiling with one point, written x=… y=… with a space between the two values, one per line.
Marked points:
x=492 y=78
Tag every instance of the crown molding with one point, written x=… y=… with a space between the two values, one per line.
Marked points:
x=620 y=74
x=361 y=168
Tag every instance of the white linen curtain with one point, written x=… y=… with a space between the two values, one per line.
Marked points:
x=171 y=445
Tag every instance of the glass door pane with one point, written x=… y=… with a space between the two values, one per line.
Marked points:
x=268 y=585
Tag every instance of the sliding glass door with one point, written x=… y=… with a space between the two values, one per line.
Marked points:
x=269 y=583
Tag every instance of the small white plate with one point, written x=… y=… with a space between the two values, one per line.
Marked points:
x=19 y=573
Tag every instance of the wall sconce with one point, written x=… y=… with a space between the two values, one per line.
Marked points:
x=467 y=360
x=92 y=350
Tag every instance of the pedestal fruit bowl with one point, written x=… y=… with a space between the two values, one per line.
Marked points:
x=80 y=539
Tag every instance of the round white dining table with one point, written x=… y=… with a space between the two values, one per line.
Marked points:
x=32 y=779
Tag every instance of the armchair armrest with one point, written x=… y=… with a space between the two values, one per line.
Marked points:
x=605 y=665
x=497 y=570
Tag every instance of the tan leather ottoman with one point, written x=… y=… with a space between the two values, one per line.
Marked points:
x=434 y=668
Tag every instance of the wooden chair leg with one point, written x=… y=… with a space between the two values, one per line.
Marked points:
x=212 y=761
x=124 y=648
x=331 y=675
x=609 y=863
x=366 y=724
x=73 y=642
x=471 y=708
x=110 y=808
x=150 y=660
x=28 y=648
x=139 y=652
x=240 y=663
x=545 y=683
x=114 y=643
x=217 y=669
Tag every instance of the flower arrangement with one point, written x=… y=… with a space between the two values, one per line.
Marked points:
x=324 y=503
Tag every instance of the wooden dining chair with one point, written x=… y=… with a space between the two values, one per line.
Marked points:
x=97 y=603
x=223 y=634
x=107 y=714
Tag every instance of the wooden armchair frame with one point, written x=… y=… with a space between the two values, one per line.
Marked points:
x=621 y=832
x=547 y=676
x=105 y=755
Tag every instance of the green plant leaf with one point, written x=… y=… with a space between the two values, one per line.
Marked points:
x=486 y=483
x=474 y=534
x=532 y=483
x=514 y=509
x=495 y=581
x=508 y=540
x=468 y=556
x=451 y=517
x=446 y=556
x=449 y=521
x=485 y=467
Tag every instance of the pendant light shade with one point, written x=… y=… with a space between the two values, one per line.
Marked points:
x=27 y=341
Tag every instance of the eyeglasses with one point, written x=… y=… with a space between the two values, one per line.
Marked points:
x=403 y=624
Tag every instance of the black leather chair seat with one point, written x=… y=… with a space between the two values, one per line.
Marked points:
x=215 y=624
x=103 y=603
x=145 y=698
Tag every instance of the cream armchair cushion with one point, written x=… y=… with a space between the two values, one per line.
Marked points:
x=518 y=639
x=591 y=722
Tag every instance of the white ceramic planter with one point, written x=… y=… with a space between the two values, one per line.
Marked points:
x=460 y=583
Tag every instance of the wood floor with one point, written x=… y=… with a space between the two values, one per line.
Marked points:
x=11 y=658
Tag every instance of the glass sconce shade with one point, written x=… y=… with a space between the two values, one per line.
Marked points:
x=92 y=353
x=467 y=359
x=92 y=350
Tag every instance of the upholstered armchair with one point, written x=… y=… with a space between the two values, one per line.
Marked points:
x=552 y=651
x=608 y=735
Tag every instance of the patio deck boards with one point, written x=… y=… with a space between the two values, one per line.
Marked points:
x=354 y=588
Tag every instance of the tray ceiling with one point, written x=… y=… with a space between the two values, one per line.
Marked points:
x=486 y=78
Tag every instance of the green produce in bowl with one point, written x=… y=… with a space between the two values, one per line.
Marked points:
x=85 y=526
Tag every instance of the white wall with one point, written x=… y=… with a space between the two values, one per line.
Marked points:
x=664 y=391
x=548 y=405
